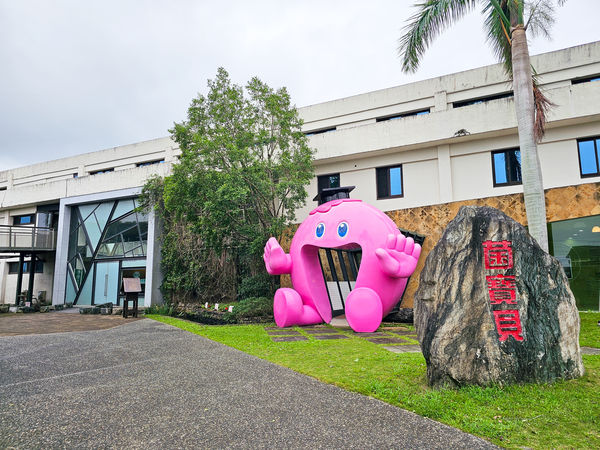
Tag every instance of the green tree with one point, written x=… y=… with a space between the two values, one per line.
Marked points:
x=507 y=23
x=242 y=173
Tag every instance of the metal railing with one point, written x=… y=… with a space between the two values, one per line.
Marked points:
x=19 y=238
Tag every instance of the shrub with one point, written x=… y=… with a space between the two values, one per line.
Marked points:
x=251 y=307
x=255 y=286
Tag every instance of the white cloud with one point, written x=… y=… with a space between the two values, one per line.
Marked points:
x=81 y=76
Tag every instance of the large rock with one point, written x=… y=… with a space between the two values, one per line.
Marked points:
x=484 y=278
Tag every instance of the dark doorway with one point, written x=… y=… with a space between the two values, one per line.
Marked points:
x=340 y=269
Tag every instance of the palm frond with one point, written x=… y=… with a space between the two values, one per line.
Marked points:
x=431 y=18
x=541 y=105
x=498 y=36
x=540 y=17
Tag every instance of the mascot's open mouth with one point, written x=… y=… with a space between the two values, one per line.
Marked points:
x=340 y=268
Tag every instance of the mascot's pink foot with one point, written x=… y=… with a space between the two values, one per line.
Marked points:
x=289 y=310
x=364 y=310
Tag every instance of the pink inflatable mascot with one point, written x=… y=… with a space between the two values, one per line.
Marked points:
x=388 y=259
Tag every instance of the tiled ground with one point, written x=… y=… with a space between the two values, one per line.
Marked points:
x=56 y=322
x=401 y=339
x=405 y=340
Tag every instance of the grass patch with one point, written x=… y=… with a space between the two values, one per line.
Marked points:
x=559 y=415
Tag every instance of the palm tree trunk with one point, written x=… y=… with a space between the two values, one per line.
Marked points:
x=533 y=187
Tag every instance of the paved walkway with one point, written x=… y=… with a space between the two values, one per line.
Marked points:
x=56 y=322
x=148 y=385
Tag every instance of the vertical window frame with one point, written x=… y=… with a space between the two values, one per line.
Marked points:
x=385 y=171
x=508 y=182
x=595 y=140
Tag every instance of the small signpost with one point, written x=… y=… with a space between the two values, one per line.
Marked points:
x=132 y=287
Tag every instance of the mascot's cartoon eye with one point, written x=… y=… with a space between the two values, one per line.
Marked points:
x=342 y=229
x=320 y=231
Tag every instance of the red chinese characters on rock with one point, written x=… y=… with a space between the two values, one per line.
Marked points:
x=508 y=323
x=498 y=255
x=502 y=288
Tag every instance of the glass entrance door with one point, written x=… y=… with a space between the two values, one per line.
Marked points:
x=107 y=282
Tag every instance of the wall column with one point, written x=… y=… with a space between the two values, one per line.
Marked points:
x=31 y=278
x=19 y=277
x=445 y=173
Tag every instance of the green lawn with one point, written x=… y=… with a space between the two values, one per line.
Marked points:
x=564 y=414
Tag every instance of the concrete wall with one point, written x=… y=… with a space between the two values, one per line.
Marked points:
x=41 y=281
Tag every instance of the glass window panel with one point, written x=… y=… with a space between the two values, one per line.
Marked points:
x=123 y=207
x=514 y=165
x=131 y=235
x=334 y=181
x=78 y=270
x=73 y=236
x=85 y=296
x=134 y=263
x=500 y=168
x=587 y=158
x=111 y=248
x=71 y=292
x=382 y=181
x=86 y=210
x=120 y=226
x=575 y=244
x=103 y=212
x=93 y=230
x=395 y=181
x=128 y=247
x=143 y=228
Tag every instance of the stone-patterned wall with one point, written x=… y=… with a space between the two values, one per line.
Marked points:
x=561 y=203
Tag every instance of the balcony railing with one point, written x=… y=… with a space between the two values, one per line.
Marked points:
x=20 y=238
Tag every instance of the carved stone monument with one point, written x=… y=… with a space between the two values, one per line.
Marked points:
x=493 y=308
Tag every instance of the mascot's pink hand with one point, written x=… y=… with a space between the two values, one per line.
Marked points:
x=276 y=260
x=399 y=259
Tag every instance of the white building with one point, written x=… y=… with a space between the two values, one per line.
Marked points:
x=417 y=151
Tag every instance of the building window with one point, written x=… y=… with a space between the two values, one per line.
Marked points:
x=149 y=163
x=98 y=172
x=586 y=79
x=506 y=167
x=328 y=181
x=27 y=219
x=576 y=245
x=478 y=100
x=13 y=267
x=402 y=115
x=389 y=182
x=321 y=131
x=589 y=157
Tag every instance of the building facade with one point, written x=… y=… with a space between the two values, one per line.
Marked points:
x=417 y=152
x=75 y=219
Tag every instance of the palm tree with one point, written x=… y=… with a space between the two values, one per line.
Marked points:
x=507 y=23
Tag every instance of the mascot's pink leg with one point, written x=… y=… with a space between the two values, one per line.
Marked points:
x=364 y=310
x=289 y=310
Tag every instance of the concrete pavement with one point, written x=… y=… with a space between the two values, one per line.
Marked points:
x=148 y=385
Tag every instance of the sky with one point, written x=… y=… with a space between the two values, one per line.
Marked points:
x=79 y=76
